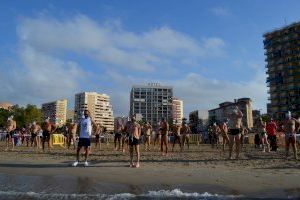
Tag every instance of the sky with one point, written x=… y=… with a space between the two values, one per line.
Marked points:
x=209 y=51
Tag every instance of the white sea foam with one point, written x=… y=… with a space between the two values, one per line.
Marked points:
x=161 y=194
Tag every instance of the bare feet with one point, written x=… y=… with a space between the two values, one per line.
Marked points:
x=131 y=165
x=137 y=165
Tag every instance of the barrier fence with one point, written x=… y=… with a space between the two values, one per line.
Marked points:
x=60 y=140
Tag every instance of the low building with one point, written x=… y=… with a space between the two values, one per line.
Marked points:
x=244 y=104
x=6 y=105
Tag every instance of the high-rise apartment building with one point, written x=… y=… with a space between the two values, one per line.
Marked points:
x=177 y=110
x=152 y=101
x=99 y=107
x=244 y=104
x=56 y=111
x=282 y=50
x=70 y=115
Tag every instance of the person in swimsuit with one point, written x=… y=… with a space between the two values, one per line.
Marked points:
x=97 y=135
x=147 y=129
x=72 y=130
x=271 y=131
x=85 y=126
x=125 y=135
x=291 y=127
x=244 y=131
x=157 y=136
x=10 y=127
x=177 y=137
x=260 y=126
x=35 y=128
x=215 y=135
x=185 y=131
x=224 y=132
x=48 y=129
x=164 y=128
x=234 y=124
x=134 y=131
x=118 y=134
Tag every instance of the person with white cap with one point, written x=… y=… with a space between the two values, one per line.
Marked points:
x=10 y=127
x=215 y=135
x=85 y=127
x=291 y=126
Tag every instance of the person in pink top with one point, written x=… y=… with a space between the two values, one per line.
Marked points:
x=271 y=131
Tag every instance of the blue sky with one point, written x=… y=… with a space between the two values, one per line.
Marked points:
x=210 y=51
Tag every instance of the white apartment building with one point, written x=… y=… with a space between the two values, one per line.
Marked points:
x=99 y=107
x=56 y=111
x=177 y=110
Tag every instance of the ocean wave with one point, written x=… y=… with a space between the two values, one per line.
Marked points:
x=161 y=194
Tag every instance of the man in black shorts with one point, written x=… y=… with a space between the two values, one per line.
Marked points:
x=134 y=131
x=176 y=134
x=11 y=126
x=118 y=134
x=164 y=128
x=234 y=123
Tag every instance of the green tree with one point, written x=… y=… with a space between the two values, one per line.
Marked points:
x=4 y=114
x=22 y=115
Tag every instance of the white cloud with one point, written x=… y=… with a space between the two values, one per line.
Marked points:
x=199 y=92
x=110 y=44
x=44 y=73
x=41 y=78
x=220 y=11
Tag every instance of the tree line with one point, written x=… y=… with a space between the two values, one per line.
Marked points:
x=23 y=115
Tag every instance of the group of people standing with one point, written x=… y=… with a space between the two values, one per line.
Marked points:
x=233 y=132
x=130 y=134
x=33 y=133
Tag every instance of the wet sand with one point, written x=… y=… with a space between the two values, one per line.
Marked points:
x=199 y=169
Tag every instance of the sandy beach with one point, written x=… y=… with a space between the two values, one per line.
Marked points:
x=200 y=169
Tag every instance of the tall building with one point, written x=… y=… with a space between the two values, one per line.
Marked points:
x=70 y=115
x=152 y=101
x=56 y=111
x=282 y=50
x=244 y=104
x=198 y=120
x=99 y=107
x=177 y=110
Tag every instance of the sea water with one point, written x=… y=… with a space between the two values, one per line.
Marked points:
x=83 y=188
